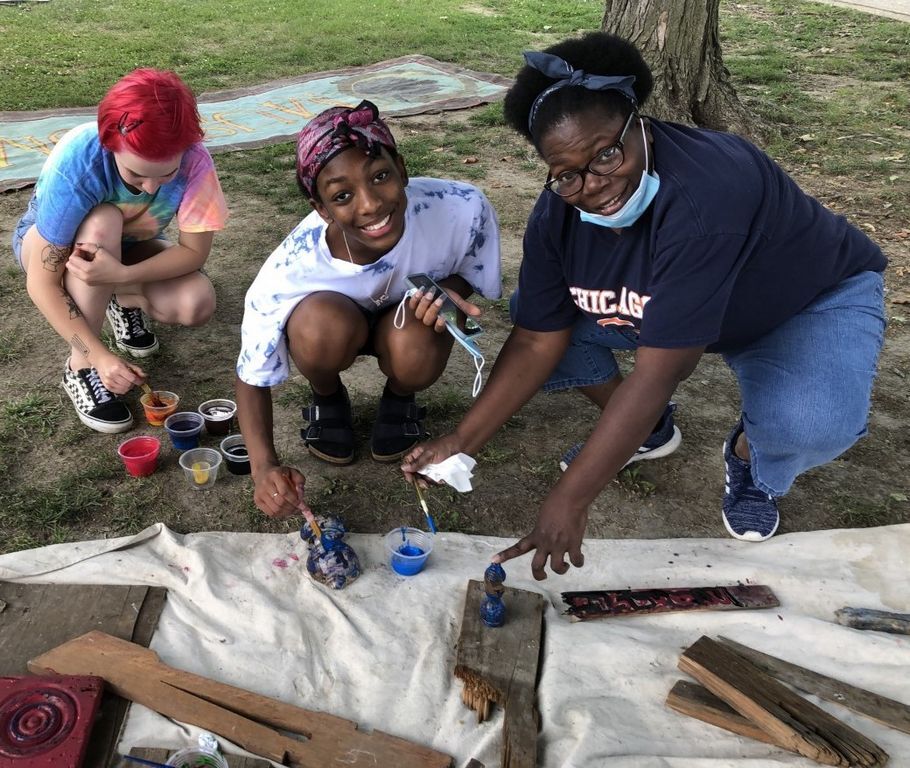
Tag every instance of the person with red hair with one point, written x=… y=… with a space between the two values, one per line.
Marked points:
x=92 y=244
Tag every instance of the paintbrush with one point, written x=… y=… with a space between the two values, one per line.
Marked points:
x=154 y=400
x=424 y=507
x=308 y=514
x=143 y=761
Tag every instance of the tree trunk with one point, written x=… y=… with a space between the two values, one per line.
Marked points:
x=679 y=40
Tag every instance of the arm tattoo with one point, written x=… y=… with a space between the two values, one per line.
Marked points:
x=79 y=345
x=52 y=256
x=71 y=304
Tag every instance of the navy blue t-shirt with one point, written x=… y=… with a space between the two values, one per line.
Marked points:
x=729 y=249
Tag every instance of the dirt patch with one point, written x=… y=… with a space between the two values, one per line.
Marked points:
x=673 y=497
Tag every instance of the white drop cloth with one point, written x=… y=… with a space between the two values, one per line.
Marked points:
x=241 y=609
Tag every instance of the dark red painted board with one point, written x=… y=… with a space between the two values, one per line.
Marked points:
x=610 y=603
x=45 y=722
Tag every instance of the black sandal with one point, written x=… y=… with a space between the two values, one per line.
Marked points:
x=330 y=434
x=397 y=429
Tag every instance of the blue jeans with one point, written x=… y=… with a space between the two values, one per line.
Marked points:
x=805 y=386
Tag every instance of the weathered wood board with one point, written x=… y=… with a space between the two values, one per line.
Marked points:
x=499 y=665
x=877 y=621
x=884 y=710
x=37 y=617
x=610 y=603
x=254 y=722
x=789 y=720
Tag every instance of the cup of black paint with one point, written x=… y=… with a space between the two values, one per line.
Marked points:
x=184 y=429
x=218 y=415
x=233 y=448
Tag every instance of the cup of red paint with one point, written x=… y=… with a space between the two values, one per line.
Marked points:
x=140 y=455
x=409 y=549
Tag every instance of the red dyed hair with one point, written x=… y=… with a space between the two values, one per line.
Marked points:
x=151 y=113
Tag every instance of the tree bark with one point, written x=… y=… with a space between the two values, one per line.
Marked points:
x=679 y=39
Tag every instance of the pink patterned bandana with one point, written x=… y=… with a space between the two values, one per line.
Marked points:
x=335 y=130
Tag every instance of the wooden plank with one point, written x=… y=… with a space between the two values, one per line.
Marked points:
x=38 y=617
x=161 y=756
x=878 y=621
x=610 y=603
x=691 y=699
x=790 y=720
x=884 y=710
x=138 y=674
x=499 y=665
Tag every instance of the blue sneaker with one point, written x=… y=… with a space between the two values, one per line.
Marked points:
x=749 y=514
x=661 y=442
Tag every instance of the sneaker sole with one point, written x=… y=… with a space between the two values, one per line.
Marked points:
x=658 y=453
x=106 y=427
x=665 y=450
x=138 y=352
x=389 y=458
x=752 y=536
x=338 y=461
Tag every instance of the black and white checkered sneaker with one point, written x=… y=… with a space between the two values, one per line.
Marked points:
x=96 y=407
x=131 y=330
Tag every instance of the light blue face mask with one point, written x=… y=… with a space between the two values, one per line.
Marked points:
x=467 y=342
x=636 y=205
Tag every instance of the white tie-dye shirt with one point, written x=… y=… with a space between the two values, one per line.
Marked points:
x=450 y=229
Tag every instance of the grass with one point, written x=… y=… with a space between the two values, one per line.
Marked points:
x=58 y=54
x=835 y=85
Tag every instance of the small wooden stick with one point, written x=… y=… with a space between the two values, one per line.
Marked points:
x=879 y=621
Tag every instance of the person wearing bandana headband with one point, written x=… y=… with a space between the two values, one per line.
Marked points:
x=672 y=241
x=329 y=293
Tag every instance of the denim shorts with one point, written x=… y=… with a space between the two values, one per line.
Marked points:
x=22 y=226
x=805 y=387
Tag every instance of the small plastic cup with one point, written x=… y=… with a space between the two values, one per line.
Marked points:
x=154 y=414
x=218 y=415
x=140 y=455
x=200 y=467
x=409 y=549
x=194 y=757
x=184 y=429
x=236 y=458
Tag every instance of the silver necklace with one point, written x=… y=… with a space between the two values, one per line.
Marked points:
x=382 y=298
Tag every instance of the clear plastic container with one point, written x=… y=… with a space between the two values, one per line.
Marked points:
x=196 y=757
x=200 y=467
x=408 y=549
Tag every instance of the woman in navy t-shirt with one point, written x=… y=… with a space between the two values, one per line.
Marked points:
x=672 y=241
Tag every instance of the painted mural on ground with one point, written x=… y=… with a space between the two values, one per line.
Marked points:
x=266 y=114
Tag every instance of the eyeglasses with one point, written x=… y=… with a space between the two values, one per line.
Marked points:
x=605 y=162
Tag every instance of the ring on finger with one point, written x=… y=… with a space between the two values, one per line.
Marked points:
x=276 y=494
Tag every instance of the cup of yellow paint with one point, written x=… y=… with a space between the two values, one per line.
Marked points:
x=200 y=467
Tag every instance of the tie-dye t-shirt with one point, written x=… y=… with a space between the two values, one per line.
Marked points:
x=80 y=174
x=450 y=228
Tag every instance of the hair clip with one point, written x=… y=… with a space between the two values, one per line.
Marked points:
x=124 y=127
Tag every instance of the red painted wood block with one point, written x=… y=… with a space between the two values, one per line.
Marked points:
x=45 y=721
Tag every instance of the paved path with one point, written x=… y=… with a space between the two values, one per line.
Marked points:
x=895 y=9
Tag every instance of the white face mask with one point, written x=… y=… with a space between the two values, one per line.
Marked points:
x=468 y=343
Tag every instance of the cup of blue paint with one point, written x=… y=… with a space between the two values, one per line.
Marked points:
x=409 y=549
x=184 y=429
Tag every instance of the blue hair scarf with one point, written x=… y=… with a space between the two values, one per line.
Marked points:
x=565 y=74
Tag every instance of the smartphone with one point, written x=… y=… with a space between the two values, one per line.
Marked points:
x=448 y=311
